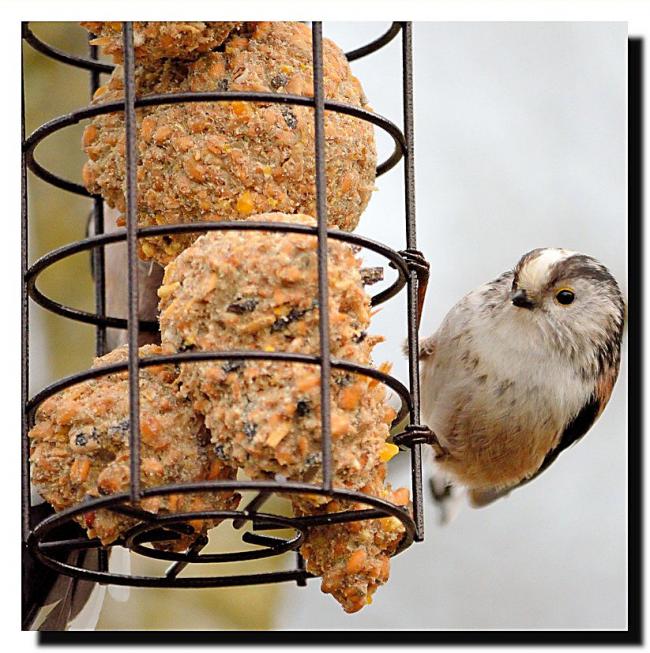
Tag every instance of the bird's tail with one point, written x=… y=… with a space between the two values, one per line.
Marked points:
x=65 y=598
x=52 y=601
x=119 y=562
x=482 y=498
x=73 y=604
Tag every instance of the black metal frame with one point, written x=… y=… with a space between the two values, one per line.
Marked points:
x=412 y=271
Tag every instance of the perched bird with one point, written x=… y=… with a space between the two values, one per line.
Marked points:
x=519 y=370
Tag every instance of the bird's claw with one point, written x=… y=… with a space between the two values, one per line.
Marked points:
x=437 y=493
x=439 y=452
x=416 y=262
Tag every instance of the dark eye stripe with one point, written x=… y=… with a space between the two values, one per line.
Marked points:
x=580 y=266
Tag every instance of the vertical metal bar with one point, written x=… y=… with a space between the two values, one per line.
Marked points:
x=195 y=548
x=24 y=389
x=407 y=106
x=412 y=302
x=131 y=238
x=301 y=581
x=102 y=559
x=409 y=198
x=253 y=506
x=98 y=252
x=323 y=285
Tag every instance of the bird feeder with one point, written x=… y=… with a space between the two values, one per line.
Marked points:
x=51 y=539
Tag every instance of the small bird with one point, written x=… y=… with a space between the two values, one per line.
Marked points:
x=519 y=370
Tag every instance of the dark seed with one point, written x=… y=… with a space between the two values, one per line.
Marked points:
x=289 y=117
x=241 y=307
x=360 y=337
x=203 y=437
x=231 y=366
x=313 y=458
x=283 y=322
x=80 y=440
x=185 y=346
x=343 y=380
x=279 y=324
x=371 y=275
x=219 y=452
x=250 y=430
x=119 y=429
x=222 y=85
x=279 y=80
x=303 y=407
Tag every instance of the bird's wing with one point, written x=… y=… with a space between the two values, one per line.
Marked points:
x=574 y=430
x=584 y=420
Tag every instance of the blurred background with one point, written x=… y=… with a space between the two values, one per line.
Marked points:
x=520 y=135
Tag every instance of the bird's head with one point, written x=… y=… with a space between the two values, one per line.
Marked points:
x=571 y=296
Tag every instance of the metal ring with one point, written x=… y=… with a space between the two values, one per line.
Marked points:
x=137 y=535
x=415 y=434
x=63 y=57
x=92 y=242
x=92 y=64
x=161 y=99
x=375 y=45
x=203 y=356
x=380 y=508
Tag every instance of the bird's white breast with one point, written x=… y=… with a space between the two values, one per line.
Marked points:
x=495 y=386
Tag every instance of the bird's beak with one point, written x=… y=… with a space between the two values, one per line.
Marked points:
x=520 y=298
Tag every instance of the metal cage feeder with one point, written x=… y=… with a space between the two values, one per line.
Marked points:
x=51 y=539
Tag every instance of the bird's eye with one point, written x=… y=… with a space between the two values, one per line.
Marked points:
x=565 y=296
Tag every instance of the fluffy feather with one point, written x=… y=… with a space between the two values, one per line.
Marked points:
x=507 y=387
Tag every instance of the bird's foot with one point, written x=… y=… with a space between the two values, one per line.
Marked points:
x=416 y=262
x=447 y=497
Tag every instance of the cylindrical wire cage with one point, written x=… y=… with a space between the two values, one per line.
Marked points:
x=43 y=539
